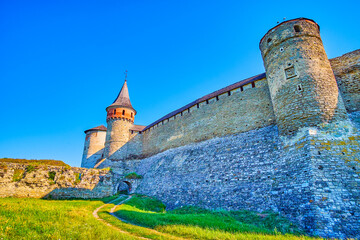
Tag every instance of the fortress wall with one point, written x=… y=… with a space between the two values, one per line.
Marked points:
x=130 y=150
x=235 y=171
x=250 y=170
x=69 y=182
x=242 y=111
x=347 y=73
x=257 y=170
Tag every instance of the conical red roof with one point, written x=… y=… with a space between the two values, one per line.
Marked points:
x=123 y=99
x=98 y=128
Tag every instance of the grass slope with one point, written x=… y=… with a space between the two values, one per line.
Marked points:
x=73 y=219
x=34 y=162
x=44 y=219
x=197 y=223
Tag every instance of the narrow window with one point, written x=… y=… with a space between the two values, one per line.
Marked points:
x=299 y=88
x=253 y=84
x=207 y=101
x=229 y=93
x=269 y=40
x=197 y=105
x=297 y=28
x=114 y=111
x=131 y=114
x=123 y=112
x=241 y=88
x=217 y=98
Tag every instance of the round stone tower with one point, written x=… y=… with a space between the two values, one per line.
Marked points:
x=120 y=118
x=94 y=146
x=302 y=84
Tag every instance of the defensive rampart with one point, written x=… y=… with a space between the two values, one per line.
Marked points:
x=240 y=107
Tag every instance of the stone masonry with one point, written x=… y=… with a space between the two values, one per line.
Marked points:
x=286 y=140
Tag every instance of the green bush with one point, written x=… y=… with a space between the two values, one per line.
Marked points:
x=18 y=175
x=30 y=168
x=133 y=176
x=52 y=175
x=77 y=178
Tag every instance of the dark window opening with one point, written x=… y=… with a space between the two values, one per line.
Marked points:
x=229 y=93
x=217 y=98
x=123 y=113
x=207 y=101
x=197 y=105
x=299 y=88
x=131 y=114
x=253 y=84
x=269 y=40
x=297 y=28
x=114 y=111
x=132 y=131
x=181 y=113
x=241 y=88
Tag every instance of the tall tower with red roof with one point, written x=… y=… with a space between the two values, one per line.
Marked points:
x=120 y=120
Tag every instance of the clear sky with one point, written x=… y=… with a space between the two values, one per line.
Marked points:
x=62 y=62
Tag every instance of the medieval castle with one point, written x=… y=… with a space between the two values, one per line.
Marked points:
x=286 y=140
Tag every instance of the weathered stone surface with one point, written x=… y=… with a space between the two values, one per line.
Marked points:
x=288 y=142
x=67 y=183
x=347 y=72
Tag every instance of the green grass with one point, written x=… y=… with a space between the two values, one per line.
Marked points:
x=133 y=175
x=43 y=219
x=73 y=219
x=200 y=223
x=18 y=175
x=34 y=162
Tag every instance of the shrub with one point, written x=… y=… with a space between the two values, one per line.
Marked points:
x=133 y=176
x=77 y=178
x=30 y=168
x=52 y=175
x=18 y=175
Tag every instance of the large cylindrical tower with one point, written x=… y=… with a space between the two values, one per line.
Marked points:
x=120 y=118
x=94 y=146
x=302 y=85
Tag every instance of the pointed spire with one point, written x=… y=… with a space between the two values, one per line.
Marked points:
x=123 y=99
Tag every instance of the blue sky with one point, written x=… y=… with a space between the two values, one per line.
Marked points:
x=62 y=62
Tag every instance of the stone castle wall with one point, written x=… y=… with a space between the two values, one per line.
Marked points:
x=242 y=111
x=314 y=179
x=17 y=180
x=347 y=72
x=246 y=108
x=289 y=143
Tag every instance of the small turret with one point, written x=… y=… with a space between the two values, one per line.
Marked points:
x=94 y=146
x=120 y=118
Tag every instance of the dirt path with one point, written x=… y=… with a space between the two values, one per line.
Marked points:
x=95 y=214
